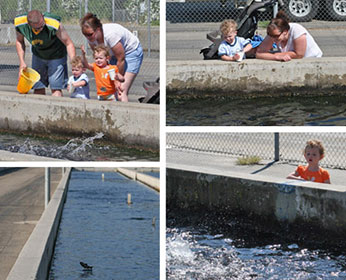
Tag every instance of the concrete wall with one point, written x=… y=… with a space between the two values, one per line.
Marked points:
x=130 y=123
x=255 y=76
x=267 y=198
x=150 y=181
x=8 y=35
x=34 y=260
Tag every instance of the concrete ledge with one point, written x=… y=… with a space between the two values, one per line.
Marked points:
x=150 y=181
x=34 y=260
x=134 y=124
x=283 y=201
x=254 y=75
x=10 y=156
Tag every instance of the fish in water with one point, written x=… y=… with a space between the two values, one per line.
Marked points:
x=86 y=266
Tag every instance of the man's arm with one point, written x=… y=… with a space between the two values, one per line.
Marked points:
x=119 y=54
x=20 y=47
x=65 y=38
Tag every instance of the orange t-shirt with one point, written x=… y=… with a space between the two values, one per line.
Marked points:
x=319 y=176
x=104 y=84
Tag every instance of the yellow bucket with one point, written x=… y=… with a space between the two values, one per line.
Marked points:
x=27 y=79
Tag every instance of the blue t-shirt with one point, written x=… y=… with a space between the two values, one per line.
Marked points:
x=238 y=45
x=80 y=92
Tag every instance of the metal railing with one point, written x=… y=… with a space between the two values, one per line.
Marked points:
x=139 y=16
x=286 y=147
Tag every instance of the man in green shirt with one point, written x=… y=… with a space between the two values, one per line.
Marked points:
x=50 y=46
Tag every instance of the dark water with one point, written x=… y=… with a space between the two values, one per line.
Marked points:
x=194 y=253
x=99 y=228
x=77 y=149
x=297 y=110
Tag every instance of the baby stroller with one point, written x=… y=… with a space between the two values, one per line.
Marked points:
x=153 y=92
x=247 y=25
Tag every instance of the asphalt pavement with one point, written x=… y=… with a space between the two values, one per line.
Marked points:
x=21 y=206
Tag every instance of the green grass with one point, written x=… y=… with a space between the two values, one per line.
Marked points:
x=263 y=24
x=248 y=160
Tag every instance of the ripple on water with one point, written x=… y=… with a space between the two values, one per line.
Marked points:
x=297 y=110
x=195 y=255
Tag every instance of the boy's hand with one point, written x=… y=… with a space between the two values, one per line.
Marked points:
x=119 y=77
x=236 y=56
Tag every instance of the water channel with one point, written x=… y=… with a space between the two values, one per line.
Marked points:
x=99 y=228
x=76 y=149
x=201 y=253
x=264 y=111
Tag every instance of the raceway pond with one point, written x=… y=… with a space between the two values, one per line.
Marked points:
x=76 y=149
x=99 y=228
x=199 y=253
x=261 y=111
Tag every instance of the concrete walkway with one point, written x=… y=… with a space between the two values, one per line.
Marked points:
x=21 y=206
x=204 y=162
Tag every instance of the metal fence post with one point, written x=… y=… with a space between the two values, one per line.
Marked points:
x=149 y=34
x=48 y=6
x=85 y=39
x=276 y=147
x=275 y=10
x=47 y=187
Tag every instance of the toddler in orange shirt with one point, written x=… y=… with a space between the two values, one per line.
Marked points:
x=107 y=77
x=313 y=153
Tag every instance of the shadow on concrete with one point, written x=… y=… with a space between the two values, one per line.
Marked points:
x=264 y=168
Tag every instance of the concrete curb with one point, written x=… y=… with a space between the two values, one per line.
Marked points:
x=271 y=199
x=255 y=76
x=130 y=123
x=11 y=156
x=150 y=181
x=34 y=260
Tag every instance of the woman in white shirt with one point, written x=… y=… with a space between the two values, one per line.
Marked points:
x=292 y=39
x=127 y=52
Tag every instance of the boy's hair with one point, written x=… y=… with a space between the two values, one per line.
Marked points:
x=315 y=144
x=228 y=25
x=101 y=48
x=77 y=61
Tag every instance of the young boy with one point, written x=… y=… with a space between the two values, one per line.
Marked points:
x=107 y=83
x=78 y=83
x=313 y=153
x=232 y=48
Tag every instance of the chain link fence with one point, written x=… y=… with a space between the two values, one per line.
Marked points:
x=287 y=147
x=180 y=11
x=139 y=16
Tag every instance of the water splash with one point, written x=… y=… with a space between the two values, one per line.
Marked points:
x=191 y=254
x=74 y=149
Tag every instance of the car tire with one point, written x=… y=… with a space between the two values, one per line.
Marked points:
x=300 y=10
x=336 y=9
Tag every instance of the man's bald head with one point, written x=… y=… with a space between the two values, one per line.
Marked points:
x=34 y=17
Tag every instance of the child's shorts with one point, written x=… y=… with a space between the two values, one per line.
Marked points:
x=133 y=60
x=109 y=97
x=53 y=72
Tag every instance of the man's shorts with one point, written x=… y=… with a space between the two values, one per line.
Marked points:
x=53 y=72
x=133 y=60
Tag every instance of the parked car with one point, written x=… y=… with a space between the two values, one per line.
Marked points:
x=306 y=10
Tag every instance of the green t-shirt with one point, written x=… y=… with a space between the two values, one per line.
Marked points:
x=45 y=44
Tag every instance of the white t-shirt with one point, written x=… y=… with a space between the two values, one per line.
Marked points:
x=80 y=92
x=113 y=33
x=238 y=45
x=296 y=30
